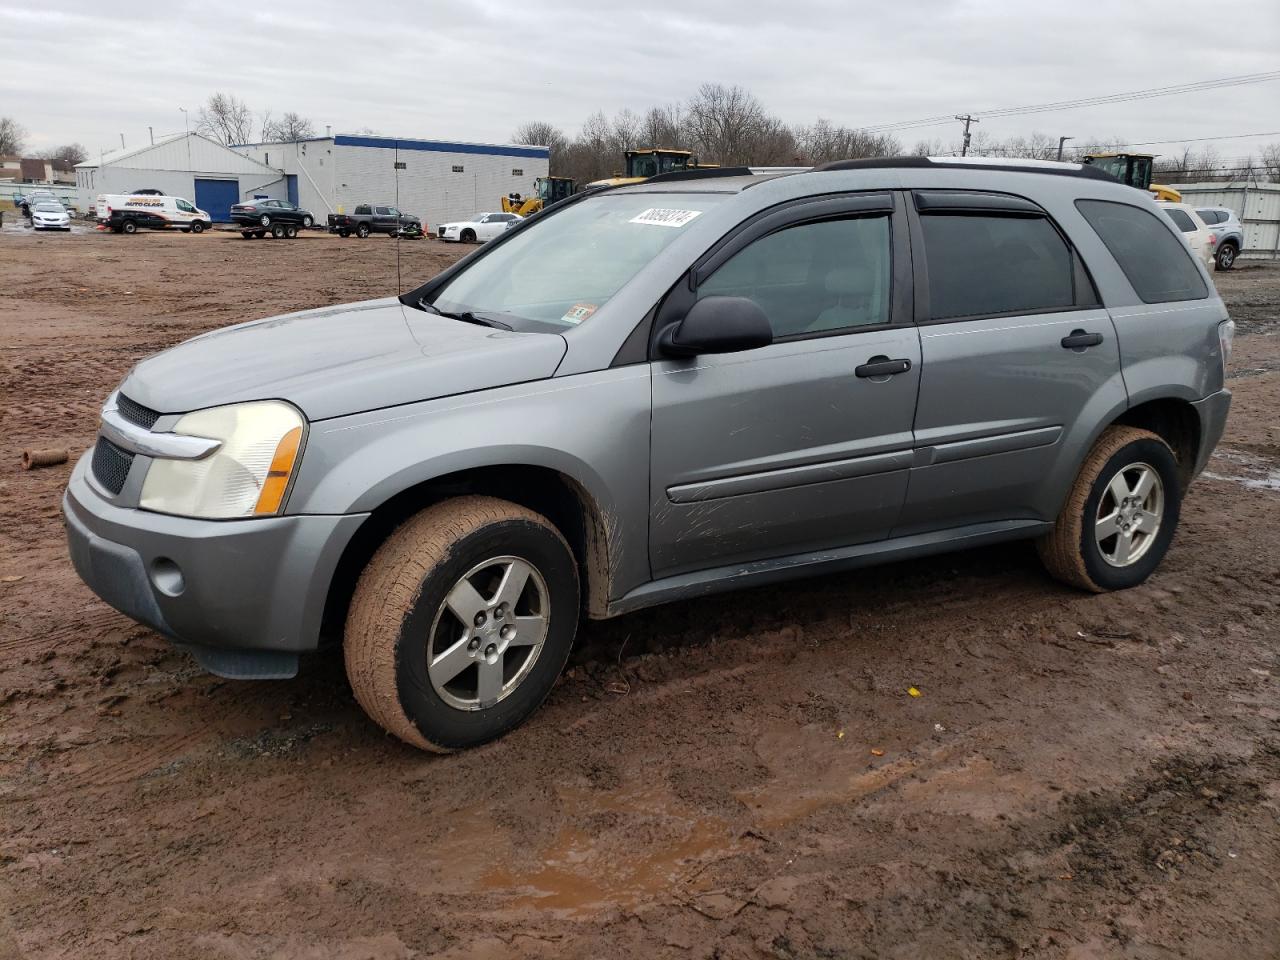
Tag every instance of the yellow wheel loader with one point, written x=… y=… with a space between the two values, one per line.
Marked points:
x=547 y=190
x=651 y=161
x=1133 y=169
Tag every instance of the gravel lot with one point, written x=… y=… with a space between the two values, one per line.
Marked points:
x=743 y=776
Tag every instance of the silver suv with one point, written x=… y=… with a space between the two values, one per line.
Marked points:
x=1228 y=234
x=706 y=381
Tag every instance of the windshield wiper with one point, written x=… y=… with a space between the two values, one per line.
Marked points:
x=466 y=316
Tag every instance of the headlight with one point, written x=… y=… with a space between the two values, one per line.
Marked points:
x=248 y=475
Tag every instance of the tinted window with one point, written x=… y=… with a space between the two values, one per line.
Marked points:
x=984 y=265
x=1181 y=220
x=814 y=277
x=362 y=210
x=1212 y=216
x=382 y=211
x=1157 y=264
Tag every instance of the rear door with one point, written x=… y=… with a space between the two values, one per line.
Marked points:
x=805 y=444
x=1020 y=361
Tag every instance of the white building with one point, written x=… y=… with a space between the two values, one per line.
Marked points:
x=435 y=180
x=186 y=165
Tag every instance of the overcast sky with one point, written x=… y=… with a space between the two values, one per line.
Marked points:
x=88 y=71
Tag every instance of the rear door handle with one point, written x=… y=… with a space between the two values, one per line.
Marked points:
x=881 y=367
x=1079 y=339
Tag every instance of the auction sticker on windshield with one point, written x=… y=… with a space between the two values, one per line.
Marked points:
x=579 y=312
x=665 y=217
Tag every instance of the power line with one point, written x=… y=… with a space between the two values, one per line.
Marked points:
x=1232 y=136
x=1147 y=94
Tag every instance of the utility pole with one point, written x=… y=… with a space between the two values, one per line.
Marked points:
x=151 y=132
x=967 y=119
x=1061 y=141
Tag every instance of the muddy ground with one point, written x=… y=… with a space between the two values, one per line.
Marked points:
x=744 y=776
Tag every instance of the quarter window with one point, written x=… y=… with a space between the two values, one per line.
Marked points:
x=1181 y=220
x=1156 y=262
x=813 y=278
x=982 y=265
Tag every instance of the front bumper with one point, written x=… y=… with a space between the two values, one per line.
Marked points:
x=245 y=596
x=1212 y=411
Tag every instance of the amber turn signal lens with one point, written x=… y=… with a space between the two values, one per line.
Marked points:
x=277 y=482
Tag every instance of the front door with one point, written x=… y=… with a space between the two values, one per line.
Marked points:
x=1020 y=361
x=805 y=444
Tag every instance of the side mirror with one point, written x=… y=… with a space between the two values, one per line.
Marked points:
x=717 y=325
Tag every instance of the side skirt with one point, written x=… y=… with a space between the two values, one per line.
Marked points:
x=762 y=572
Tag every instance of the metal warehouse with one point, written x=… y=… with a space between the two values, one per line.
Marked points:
x=436 y=180
x=186 y=165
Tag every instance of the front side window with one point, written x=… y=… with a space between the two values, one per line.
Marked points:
x=813 y=277
x=382 y=211
x=185 y=207
x=1156 y=263
x=985 y=265
x=1181 y=220
x=560 y=269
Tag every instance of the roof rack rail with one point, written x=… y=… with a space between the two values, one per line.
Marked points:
x=969 y=163
x=700 y=174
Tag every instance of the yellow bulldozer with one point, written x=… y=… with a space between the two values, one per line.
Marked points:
x=1133 y=169
x=547 y=190
x=649 y=162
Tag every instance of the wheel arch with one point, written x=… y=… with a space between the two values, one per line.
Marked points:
x=562 y=499
x=1175 y=421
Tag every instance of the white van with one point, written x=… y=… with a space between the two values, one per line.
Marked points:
x=127 y=213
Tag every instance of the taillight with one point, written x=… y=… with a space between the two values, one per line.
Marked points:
x=1226 y=339
x=1213 y=239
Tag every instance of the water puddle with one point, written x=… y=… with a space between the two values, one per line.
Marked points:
x=1254 y=472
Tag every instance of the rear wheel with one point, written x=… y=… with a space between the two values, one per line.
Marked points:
x=277 y=231
x=291 y=233
x=129 y=226
x=1120 y=516
x=461 y=622
x=362 y=231
x=248 y=234
x=197 y=226
x=1226 y=258
x=265 y=220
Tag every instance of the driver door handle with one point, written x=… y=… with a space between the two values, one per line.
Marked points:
x=1079 y=339
x=881 y=367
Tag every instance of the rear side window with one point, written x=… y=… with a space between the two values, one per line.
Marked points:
x=1157 y=264
x=363 y=211
x=1182 y=221
x=982 y=265
x=1211 y=217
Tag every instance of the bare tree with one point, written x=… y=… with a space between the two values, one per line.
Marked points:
x=73 y=153
x=289 y=128
x=538 y=133
x=824 y=141
x=664 y=127
x=13 y=136
x=225 y=118
x=1270 y=161
x=725 y=122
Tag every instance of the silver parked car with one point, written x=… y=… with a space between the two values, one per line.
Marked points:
x=1228 y=234
x=705 y=381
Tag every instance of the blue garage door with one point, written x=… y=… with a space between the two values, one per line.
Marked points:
x=215 y=198
x=291 y=181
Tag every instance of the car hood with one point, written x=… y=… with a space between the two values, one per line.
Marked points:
x=341 y=360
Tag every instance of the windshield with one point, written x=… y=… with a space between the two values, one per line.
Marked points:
x=49 y=207
x=558 y=271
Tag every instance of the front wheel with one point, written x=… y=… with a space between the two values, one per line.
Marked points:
x=468 y=236
x=461 y=622
x=264 y=220
x=307 y=222
x=1226 y=257
x=1120 y=516
x=197 y=226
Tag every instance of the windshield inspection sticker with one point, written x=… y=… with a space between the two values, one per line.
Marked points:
x=664 y=217
x=578 y=312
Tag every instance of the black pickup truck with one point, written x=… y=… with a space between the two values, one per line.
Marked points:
x=367 y=219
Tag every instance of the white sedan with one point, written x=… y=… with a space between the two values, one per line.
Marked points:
x=481 y=227
x=50 y=215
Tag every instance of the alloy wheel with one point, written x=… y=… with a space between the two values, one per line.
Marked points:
x=1130 y=512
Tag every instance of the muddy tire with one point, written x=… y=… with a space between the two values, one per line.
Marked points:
x=461 y=622
x=1120 y=515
